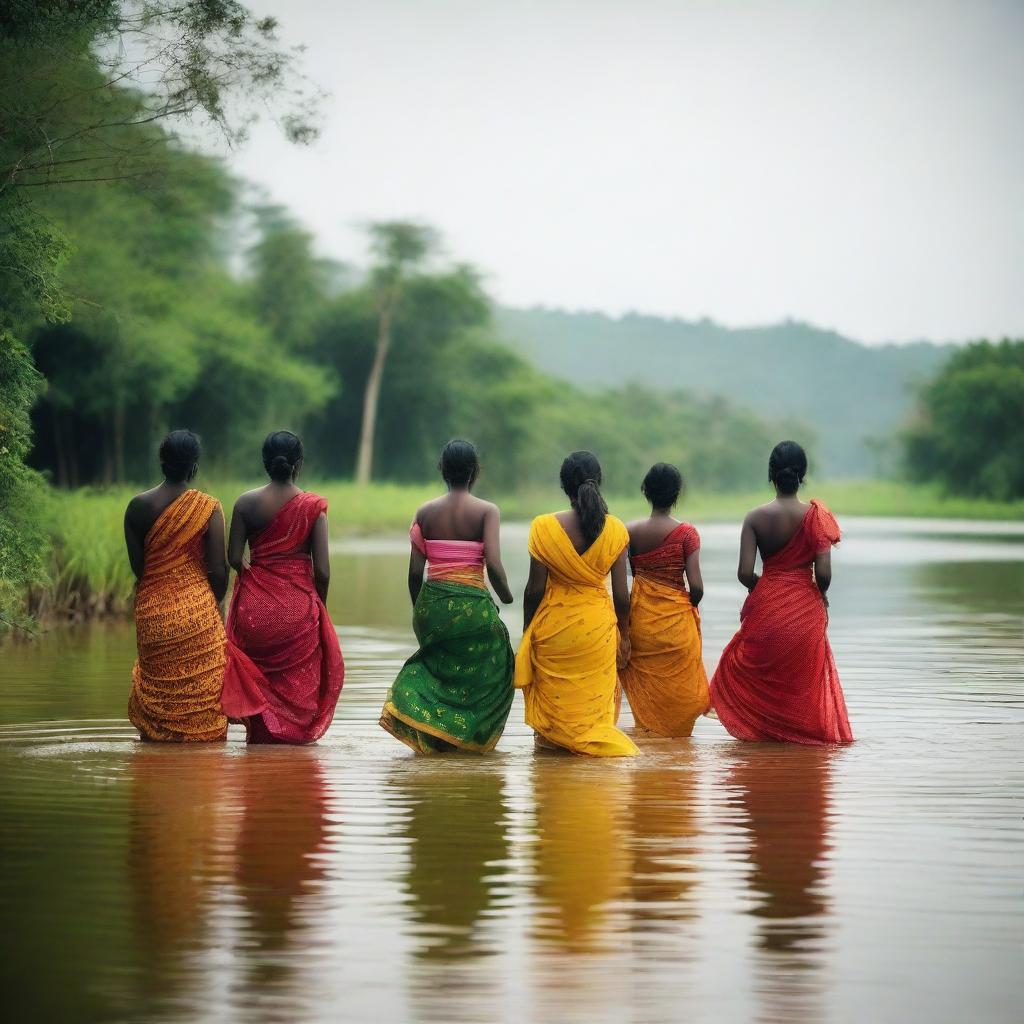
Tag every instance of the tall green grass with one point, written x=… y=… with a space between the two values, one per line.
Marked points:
x=90 y=574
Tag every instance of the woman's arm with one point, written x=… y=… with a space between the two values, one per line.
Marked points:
x=620 y=598
x=236 y=540
x=320 y=550
x=492 y=554
x=823 y=573
x=620 y=591
x=417 y=563
x=134 y=539
x=213 y=550
x=748 y=553
x=694 y=580
x=536 y=584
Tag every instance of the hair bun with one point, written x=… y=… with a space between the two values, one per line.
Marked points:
x=282 y=452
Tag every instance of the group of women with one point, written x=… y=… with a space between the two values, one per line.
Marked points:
x=277 y=666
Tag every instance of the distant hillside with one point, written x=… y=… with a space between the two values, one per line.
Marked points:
x=854 y=396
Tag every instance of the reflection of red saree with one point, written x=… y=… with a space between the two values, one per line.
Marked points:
x=288 y=692
x=777 y=679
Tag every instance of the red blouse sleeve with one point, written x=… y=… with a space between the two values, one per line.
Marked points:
x=690 y=541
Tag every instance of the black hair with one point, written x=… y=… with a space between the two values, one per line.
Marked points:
x=581 y=481
x=459 y=463
x=179 y=454
x=787 y=466
x=662 y=485
x=282 y=452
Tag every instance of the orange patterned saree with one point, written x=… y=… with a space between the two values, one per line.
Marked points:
x=177 y=678
x=665 y=681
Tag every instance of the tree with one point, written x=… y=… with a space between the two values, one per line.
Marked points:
x=68 y=116
x=967 y=434
x=290 y=283
x=399 y=247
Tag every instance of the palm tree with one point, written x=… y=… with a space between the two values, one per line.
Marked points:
x=398 y=247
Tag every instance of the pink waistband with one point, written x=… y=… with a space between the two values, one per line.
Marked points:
x=445 y=555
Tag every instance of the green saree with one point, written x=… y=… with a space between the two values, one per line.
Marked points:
x=456 y=690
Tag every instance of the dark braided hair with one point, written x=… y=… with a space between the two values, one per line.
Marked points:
x=459 y=463
x=282 y=452
x=787 y=466
x=662 y=485
x=179 y=455
x=581 y=481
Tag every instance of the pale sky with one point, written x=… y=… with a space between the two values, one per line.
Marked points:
x=858 y=165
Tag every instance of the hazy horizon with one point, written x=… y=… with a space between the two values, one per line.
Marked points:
x=853 y=168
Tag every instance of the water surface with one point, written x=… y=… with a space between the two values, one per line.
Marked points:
x=705 y=881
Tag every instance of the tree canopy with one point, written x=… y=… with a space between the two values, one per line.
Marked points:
x=968 y=434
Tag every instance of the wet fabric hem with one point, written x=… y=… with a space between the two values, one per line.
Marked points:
x=440 y=734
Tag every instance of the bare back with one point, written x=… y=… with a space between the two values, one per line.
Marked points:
x=647 y=534
x=256 y=508
x=570 y=521
x=776 y=523
x=457 y=515
x=146 y=508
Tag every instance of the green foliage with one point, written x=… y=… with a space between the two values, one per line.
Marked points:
x=968 y=435
x=23 y=540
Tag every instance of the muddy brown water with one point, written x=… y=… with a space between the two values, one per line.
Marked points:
x=704 y=881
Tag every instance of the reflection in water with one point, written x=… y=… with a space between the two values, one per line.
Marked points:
x=664 y=834
x=279 y=855
x=178 y=814
x=581 y=864
x=458 y=853
x=783 y=793
x=200 y=820
x=455 y=823
x=707 y=880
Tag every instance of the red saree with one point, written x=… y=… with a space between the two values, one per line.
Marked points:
x=777 y=679
x=287 y=687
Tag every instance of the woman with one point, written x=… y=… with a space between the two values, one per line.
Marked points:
x=175 y=538
x=664 y=679
x=277 y=616
x=456 y=690
x=777 y=678
x=566 y=662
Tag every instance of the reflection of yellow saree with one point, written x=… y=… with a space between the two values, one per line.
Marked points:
x=581 y=861
x=566 y=661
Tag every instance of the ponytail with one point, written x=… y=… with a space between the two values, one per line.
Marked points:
x=581 y=481
x=591 y=508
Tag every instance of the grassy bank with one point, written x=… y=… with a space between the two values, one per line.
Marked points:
x=90 y=573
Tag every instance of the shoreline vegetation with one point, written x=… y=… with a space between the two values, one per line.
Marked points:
x=89 y=575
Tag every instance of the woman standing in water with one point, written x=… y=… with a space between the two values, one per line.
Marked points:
x=566 y=661
x=175 y=538
x=277 y=615
x=455 y=692
x=777 y=679
x=664 y=679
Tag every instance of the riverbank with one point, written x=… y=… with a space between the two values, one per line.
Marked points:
x=90 y=576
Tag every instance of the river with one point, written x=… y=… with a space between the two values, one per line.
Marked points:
x=704 y=881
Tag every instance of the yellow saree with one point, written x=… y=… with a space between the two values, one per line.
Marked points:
x=566 y=661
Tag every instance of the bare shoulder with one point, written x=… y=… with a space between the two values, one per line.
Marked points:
x=427 y=508
x=488 y=508
x=142 y=503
